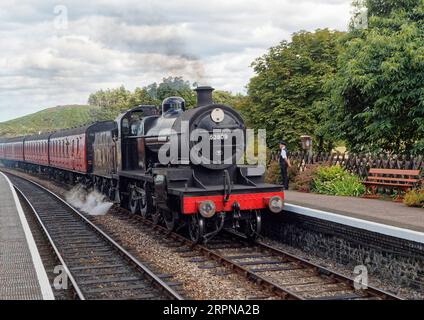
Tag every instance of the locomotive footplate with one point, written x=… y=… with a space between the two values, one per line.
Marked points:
x=135 y=174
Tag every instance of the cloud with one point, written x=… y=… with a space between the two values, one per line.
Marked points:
x=106 y=43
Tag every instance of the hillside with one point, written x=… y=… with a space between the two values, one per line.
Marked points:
x=51 y=119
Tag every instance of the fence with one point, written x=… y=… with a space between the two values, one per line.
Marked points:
x=356 y=163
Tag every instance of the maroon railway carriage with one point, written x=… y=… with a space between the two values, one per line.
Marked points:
x=2 y=141
x=66 y=154
x=36 y=149
x=68 y=150
x=72 y=150
x=13 y=149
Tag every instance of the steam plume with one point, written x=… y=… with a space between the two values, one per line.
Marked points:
x=92 y=203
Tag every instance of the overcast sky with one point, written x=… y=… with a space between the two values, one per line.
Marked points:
x=55 y=53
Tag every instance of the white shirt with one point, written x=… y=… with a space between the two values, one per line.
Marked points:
x=283 y=154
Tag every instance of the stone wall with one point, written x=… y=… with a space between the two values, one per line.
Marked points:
x=399 y=261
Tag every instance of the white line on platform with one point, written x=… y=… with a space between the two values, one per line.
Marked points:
x=43 y=280
x=392 y=231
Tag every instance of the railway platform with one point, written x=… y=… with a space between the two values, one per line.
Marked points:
x=381 y=216
x=22 y=274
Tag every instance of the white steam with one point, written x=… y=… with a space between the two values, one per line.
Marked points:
x=92 y=203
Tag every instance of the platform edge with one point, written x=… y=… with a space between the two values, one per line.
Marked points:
x=385 y=229
x=43 y=280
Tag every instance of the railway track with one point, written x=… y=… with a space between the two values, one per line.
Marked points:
x=272 y=269
x=96 y=266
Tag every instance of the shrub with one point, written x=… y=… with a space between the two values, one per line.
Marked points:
x=273 y=173
x=337 y=181
x=293 y=171
x=414 y=198
x=303 y=180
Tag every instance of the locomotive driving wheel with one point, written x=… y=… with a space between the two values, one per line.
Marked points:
x=134 y=201
x=196 y=228
x=252 y=227
x=143 y=204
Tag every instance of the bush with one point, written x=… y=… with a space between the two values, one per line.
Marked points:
x=414 y=198
x=273 y=173
x=337 y=181
x=293 y=171
x=303 y=181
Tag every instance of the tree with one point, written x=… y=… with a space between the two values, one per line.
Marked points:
x=377 y=93
x=228 y=98
x=141 y=96
x=384 y=8
x=172 y=86
x=287 y=96
x=111 y=98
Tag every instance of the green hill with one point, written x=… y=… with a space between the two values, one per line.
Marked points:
x=51 y=119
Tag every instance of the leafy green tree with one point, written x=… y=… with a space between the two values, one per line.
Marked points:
x=172 y=86
x=377 y=93
x=111 y=98
x=287 y=96
x=228 y=98
x=384 y=8
x=141 y=96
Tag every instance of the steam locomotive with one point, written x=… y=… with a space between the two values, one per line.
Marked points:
x=177 y=167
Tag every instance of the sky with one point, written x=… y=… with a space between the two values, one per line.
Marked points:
x=58 y=52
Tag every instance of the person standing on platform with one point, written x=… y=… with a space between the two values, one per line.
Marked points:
x=284 y=165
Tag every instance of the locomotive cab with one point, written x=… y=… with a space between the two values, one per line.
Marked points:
x=130 y=124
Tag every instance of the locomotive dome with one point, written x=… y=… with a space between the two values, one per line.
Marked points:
x=173 y=105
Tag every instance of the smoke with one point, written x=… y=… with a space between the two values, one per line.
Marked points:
x=92 y=203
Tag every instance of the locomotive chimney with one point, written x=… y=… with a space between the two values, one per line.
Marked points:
x=204 y=95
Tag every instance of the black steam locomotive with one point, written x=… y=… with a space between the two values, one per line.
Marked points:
x=175 y=166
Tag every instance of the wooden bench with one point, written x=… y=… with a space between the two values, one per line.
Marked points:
x=392 y=178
